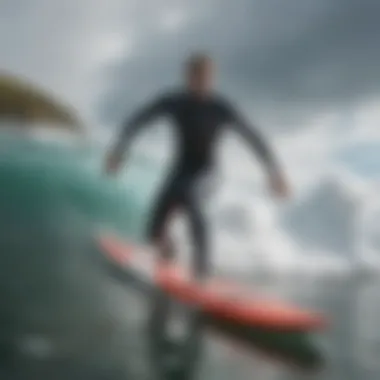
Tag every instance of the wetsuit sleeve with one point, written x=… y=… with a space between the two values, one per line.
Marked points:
x=133 y=125
x=252 y=136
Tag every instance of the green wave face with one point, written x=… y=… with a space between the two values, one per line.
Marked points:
x=38 y=179
x=53 y=282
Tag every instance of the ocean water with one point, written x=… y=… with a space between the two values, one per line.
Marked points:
x=55 y=198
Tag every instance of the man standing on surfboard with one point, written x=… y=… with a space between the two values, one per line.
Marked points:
x=199 y=117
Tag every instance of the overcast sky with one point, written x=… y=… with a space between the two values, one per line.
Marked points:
x=278 y=57
x=310 y=68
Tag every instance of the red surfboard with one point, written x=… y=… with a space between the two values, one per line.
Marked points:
x=219 y=299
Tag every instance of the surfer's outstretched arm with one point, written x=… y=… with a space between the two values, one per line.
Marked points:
x=252 y=136
x=130 y=128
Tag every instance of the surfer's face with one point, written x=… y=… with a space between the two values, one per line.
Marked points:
x=200 y=77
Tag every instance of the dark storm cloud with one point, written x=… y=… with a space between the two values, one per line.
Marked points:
x=299 y=54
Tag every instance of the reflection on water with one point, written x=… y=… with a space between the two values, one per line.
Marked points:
x=352 y=345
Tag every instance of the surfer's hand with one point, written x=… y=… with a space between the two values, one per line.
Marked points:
x=279 y=186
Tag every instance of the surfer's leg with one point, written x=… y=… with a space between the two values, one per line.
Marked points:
x=176 y=194
x=161 y=347
x=166 y=203
x=201 y=261
x=188 y=350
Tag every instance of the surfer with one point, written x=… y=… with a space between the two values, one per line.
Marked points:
x=199 y=116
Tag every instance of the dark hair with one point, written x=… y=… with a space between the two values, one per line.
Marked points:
x=196 y=61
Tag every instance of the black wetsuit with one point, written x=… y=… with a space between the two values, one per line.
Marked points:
x=198 y=123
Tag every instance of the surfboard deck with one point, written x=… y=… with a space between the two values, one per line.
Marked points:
x=223 y=301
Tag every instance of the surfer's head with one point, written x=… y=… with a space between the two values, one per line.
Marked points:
x=199 y=72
